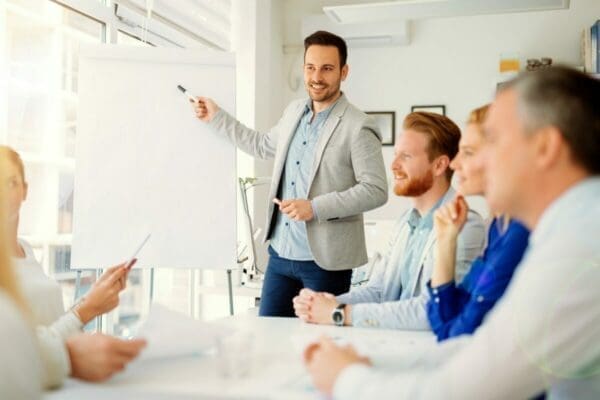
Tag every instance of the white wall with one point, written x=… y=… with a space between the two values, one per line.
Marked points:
x=257 y=41
x=451 y=61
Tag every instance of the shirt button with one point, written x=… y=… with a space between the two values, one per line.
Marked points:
x=287 y=224
x=437 y=299
x=292 y=183
x=480 y=299
x=304 y=143
x=435 y=291
x=297 y=162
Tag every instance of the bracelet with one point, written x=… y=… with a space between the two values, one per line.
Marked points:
x=75 y=307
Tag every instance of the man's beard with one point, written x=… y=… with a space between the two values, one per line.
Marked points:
x=326 y=94
x=414 y=187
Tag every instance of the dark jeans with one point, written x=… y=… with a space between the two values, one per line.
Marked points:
x=284 y=279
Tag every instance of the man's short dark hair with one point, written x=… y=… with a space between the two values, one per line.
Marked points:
x=324 y=38
x=567 y=99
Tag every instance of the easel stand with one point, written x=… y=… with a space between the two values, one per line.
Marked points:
x=230 y=291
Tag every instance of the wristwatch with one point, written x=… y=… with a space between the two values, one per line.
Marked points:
x=338 y=316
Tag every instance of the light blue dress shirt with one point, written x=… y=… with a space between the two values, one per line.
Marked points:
x=396 y=295
x=289 y=237
x=420 y=228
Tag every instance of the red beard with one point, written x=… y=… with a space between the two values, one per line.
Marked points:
x=414 y=187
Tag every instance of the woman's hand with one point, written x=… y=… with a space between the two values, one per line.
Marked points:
x=104 y=294
x=450 y=218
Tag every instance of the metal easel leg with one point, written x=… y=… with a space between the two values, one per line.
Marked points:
x=99 y=317
x=192 y=298
x=77 y=286
x=151 y=285
x=230 y=287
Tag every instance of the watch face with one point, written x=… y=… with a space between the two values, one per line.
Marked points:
x=338 y=316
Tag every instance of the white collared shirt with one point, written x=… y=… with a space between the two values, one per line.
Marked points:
x=543 y=335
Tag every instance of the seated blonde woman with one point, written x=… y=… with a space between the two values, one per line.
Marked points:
x=20 y=367
x=63 y=356
x=457 y=309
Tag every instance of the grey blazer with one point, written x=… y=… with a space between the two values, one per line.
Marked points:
x=348 y=176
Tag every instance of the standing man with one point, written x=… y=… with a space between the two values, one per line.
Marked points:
x=328 y=170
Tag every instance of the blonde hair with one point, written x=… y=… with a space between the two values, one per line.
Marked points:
x=478 y=115
x=8 y=279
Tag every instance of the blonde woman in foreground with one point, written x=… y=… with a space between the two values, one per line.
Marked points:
x=20 y=369
x=65 y=350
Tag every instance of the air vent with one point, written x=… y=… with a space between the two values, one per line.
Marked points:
x=421 y=9
x=360 y=35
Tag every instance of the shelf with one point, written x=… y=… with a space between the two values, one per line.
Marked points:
x=63 y=239
x=59 y=162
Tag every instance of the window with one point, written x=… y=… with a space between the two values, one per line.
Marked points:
x=39 y=44
x=131 y=40
x=41 y=49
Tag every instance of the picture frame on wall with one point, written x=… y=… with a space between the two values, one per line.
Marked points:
x=386 y=121
x=435 y=108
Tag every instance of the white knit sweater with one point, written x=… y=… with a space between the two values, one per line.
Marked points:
x=20 y=369
x=54 y=325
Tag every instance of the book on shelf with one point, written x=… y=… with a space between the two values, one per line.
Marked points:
x=590 y=48
x=594 y=47
x=586 y=49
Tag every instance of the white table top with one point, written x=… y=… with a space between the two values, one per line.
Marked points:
x=276 y=359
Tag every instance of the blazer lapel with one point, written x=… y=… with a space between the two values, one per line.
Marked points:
x=421 y=264
x=328 y=129
x=392 y=272
x=430 y=240
x=286 y=139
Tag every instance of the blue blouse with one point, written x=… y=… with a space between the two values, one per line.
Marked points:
x=455 y=310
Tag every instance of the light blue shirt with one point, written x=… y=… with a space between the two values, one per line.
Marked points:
x=396 y=295
x=420 y=228
x=289 y=237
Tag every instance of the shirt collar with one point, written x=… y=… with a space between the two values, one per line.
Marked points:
x=322 y=115
x=568 y=205
x=414 y=217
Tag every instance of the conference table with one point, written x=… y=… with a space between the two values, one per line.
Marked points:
x=272 y=353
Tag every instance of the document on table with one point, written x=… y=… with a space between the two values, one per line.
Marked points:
x=172 y=334
x=372 y=344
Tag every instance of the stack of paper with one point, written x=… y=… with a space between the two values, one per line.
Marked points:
x=172 y=334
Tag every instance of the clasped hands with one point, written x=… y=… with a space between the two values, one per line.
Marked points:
x=315 y=307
